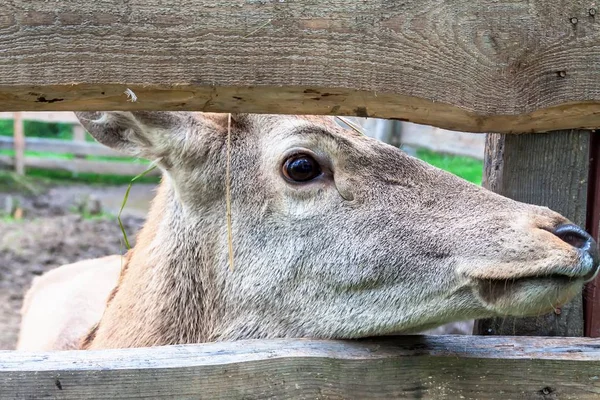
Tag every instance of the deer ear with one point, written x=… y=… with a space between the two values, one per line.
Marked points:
x=141 y=133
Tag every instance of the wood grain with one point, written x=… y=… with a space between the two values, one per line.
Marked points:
x=481 y=66
x=591 y=297
x=549 y=170
x=410 y=367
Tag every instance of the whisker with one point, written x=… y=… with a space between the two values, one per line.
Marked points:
x=351 y=125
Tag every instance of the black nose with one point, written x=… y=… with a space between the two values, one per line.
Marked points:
x=579 y=238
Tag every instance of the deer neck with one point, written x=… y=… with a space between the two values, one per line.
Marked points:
x=164 y=295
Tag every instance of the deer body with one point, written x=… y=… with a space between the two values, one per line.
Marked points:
x=335 y=235
x=63 y=304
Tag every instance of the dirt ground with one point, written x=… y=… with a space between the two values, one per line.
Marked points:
x=56 y=230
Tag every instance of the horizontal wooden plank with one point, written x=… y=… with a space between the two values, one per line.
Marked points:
x=424 y=367
x=481 y=66
x=44 y=116
x=81 y=166
x=61 y=146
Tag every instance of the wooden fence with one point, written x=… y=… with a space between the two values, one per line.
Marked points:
x=78 y=147
x=512 y=68
x=409 y=367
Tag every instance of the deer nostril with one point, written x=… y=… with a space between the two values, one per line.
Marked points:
x=580 y=239
x=575 y=236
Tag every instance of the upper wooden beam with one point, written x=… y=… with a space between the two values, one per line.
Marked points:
x=481 y=66
x=410 y=367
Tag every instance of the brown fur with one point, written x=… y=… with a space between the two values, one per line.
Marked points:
x=64 y=303
x=87 y=341
x=380 y=244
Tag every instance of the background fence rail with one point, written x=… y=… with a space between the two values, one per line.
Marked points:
x=78 y=147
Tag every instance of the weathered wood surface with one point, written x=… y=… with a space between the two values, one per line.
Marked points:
x=412 y=367
x=591 y=293
x=77 y=166
x=549 y=170
x=481 y=66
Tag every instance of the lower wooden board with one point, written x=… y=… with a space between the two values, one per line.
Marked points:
x=407 y=367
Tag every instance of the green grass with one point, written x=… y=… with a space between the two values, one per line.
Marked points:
x=11 y=182
x=39 y=179
x=467 y=168
x=9 y=220
x=65 y=177
x=39 y=129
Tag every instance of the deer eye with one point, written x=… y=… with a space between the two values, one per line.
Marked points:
x=301 y=168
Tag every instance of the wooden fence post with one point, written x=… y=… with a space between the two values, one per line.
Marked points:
x=19 y=144
x=551 y=170
x=591 y=294
x=78 y=136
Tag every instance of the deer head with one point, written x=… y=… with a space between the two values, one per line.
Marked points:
x=335 y=235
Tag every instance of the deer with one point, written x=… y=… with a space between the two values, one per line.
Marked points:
x=332 y=235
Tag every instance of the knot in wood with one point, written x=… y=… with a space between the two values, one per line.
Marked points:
x=547 y=390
